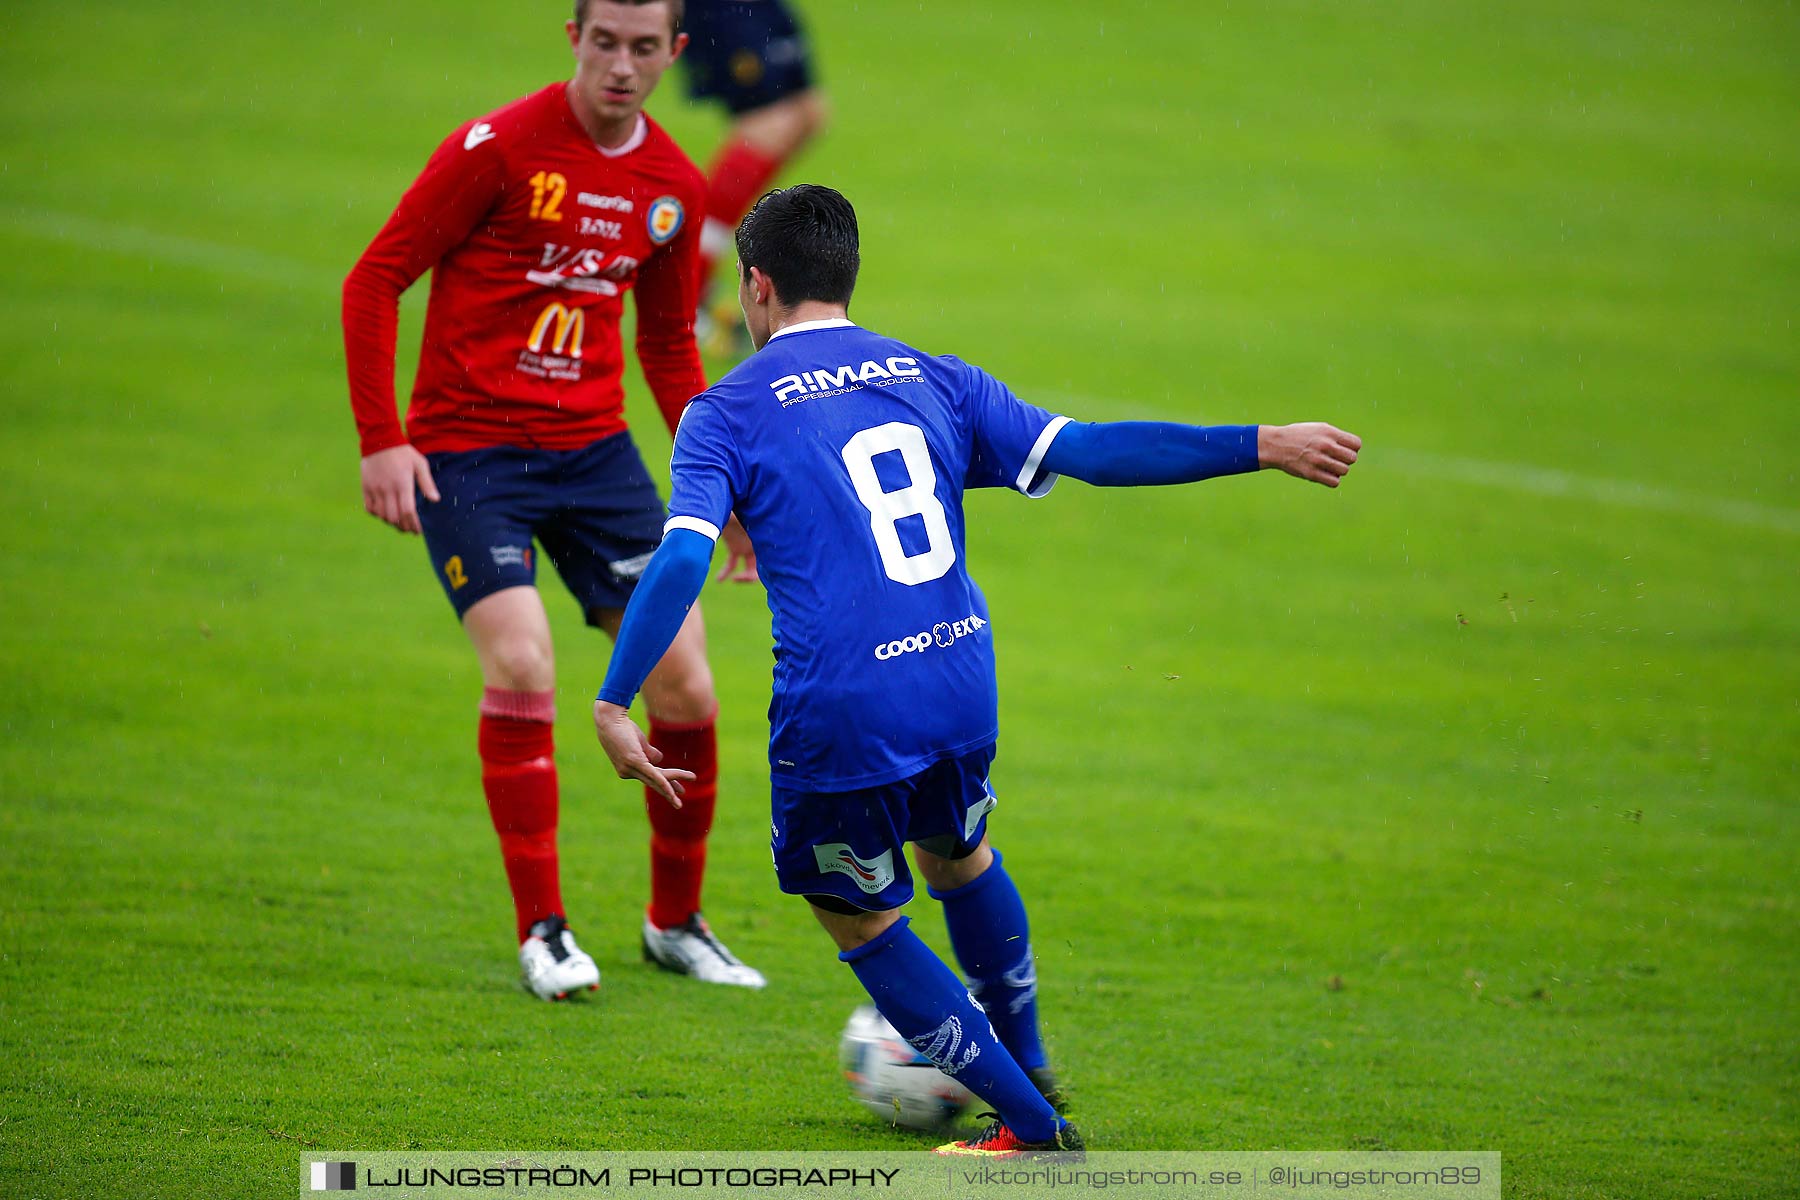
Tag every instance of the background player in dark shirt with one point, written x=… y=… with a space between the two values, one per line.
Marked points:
x=753 y=57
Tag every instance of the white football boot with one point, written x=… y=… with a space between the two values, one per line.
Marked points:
x=691 y=949
x=555 y=967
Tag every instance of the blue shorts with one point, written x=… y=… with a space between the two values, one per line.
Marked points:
x=594 y=510
x=851 y=846
x=746 y=53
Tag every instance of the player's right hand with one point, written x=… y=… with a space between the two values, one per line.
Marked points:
x=632 y=755
x=1311 y=450
x=388 y=479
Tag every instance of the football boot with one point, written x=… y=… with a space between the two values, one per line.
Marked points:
x=691 y=949
x=555 y=967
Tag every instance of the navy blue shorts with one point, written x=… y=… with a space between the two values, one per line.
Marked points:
x=851 y=845
x=746 y=53
x=595 y=512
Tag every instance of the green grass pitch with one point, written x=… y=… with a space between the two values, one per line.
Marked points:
x=1455 y=809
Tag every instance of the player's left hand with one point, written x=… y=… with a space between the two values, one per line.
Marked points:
x=740 y=555
x=632 y=755
x=1310 y=450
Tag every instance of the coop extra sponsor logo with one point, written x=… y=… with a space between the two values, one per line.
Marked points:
x=941 y=636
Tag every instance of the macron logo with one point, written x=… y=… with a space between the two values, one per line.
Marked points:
x=479 y=134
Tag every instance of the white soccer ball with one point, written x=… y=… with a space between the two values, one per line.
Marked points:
x=894 y=1081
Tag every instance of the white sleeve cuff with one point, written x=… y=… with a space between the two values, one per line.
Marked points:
x=705 y=529
x=1035 y=458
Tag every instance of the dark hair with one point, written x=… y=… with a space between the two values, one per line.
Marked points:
x=804 y=239
x=677 y=12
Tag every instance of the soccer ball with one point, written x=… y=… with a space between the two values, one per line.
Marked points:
x=894 y=1081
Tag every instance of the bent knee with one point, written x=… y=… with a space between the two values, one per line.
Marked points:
x=681 y=692
x=945 y=872
x=850 y=927
x=782 y=128
x=814 y=113
x=521 y=664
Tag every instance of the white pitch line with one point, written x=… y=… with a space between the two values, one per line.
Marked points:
x=1546 y=481
x=246 y=263
x=1516 y=477
x=218 y=257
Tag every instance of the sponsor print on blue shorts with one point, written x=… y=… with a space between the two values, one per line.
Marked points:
x=851 y=845
x=594 y=511
x=747 y=55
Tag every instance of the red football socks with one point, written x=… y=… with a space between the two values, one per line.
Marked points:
x=678 y=835
x=738 y=176
x=518 y=773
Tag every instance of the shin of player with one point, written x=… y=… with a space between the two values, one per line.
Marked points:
x=990 y=1046
x=992 y=939
x=682 y=707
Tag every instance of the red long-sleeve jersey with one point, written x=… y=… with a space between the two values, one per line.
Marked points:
x=533 y=235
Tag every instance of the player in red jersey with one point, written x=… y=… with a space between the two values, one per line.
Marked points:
x=535 y=220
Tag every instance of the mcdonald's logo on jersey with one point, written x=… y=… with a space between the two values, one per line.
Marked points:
x=571 y=329
x=664 y=218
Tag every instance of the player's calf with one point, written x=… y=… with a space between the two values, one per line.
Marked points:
x=927 y=1004
x=992 y=939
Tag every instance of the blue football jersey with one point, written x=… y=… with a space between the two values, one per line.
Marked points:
x=846 y=455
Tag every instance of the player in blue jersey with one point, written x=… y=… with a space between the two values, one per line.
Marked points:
x=846 y=455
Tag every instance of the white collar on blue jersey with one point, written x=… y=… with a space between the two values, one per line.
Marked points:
x=806 y=326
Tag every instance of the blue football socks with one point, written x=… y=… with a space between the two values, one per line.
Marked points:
x=929 y=1006
x=992 y=941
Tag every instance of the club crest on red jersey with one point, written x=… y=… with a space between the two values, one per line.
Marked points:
x=664 y=218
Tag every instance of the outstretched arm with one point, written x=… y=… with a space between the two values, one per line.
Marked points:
x=1143 y=453
x=669 y=588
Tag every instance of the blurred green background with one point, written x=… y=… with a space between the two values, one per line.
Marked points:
x=1454 y=809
